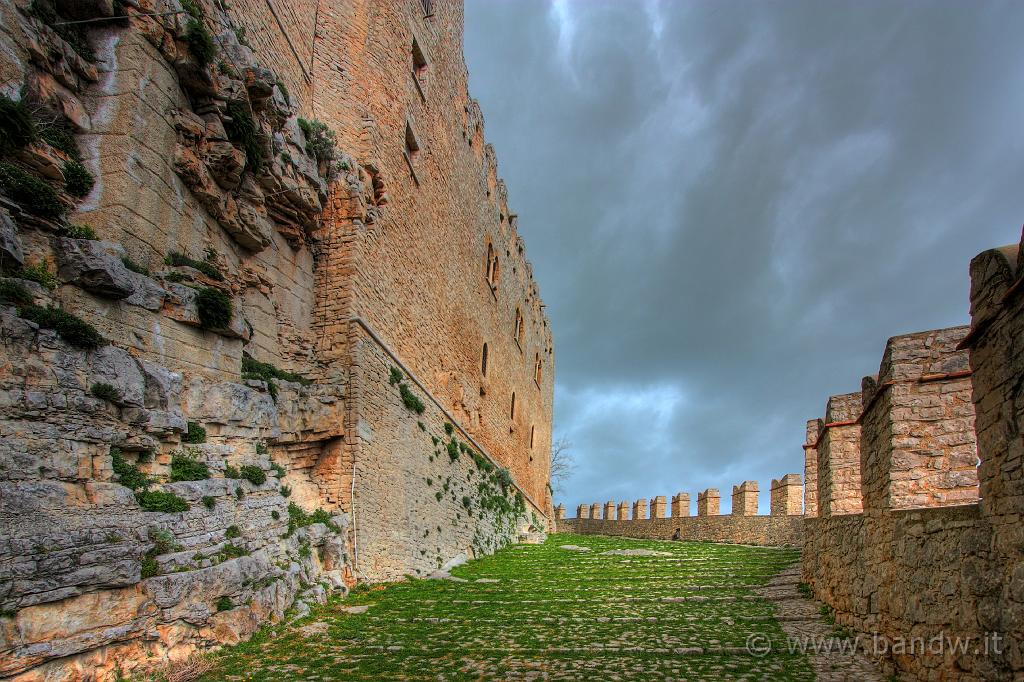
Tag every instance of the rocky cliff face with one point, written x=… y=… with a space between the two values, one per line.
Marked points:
x=160 y=490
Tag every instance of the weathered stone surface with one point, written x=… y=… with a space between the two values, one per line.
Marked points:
x=95 y=266
x=11 y=250
x=116 y=367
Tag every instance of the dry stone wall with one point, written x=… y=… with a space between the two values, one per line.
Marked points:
x=926 y=559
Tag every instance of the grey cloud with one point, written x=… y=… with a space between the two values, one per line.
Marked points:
x=730 y=206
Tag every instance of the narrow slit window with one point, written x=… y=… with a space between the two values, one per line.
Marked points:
x=483 y=361
x=519 y=327
x=419 y=66
x=537 y=373
x=531 y=437
x=512 y=411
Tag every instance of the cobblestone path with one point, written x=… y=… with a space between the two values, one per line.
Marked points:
x=564 y=610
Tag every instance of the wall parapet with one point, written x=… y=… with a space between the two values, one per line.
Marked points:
x=767 y=531
x=925 y=557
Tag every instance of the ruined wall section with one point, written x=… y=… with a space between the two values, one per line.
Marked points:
x=438 y=269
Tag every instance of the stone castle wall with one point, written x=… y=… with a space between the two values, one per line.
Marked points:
x=925 y=557
x=207 y=186
x=441 y=271
x=784 y=526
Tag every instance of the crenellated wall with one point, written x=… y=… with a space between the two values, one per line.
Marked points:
x=925 y=558
x=744 y=526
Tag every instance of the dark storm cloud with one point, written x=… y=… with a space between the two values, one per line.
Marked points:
x=731 y=205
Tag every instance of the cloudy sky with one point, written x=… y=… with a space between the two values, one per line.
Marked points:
x=731 y=205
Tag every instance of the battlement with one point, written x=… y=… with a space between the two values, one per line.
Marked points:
x=934 y=440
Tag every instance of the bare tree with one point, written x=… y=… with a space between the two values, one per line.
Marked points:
x=562 y=464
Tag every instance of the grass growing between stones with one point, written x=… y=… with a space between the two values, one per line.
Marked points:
x=551 y=614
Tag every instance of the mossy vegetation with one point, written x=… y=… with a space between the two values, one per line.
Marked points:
x=200 y=42
x=214 y=308
x=195 y=434
x=128 y=474
x=264 y=371
x=410 y=399
x=78 y=231
x=12 y=292
x=70 y=328
x=175 y=259
x=78 y=181
x=186 y=466
x=242 y=129
x=105 y=391
x=17 y=128
x=299 y=518
x=160 y=501
x=134 y=267
x=573 y=615
x=253 y=474
x=40 y=274
x=34 y=195
x=320 y=140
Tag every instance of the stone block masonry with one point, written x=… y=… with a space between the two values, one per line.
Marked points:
x=680 y=505
x=708 y=502
x=838 y=449
x=744 y=499
x=609 y=510
x=785 y=495
x=926 y=557
x=743 y=526
x=743 y=530
x=814 y=427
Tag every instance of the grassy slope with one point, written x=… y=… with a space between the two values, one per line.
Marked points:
x=554 y=614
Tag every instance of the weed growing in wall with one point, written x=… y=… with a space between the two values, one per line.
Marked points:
x=224 y=604
x=17 y=128
x=40 y=274
x=411 y=400
x=13 y=292
x=195 y=435
x=127 y=474
x=253 y=474
x=175 y=259
x=78 y=231
x=320 y=140
x=105 y=391
x=70 y=328
x=232 y=532
x=209 y=502
x=214 y=308
x=453 y=449
x=241 y=128
x=264 y=371
x=186 y=466
x=200 y=42
x=134 y=267
x=31 y=193
x=160 y=501
x=78 y=181
x=58 y=133
x=298 y=518
x=396 y=376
